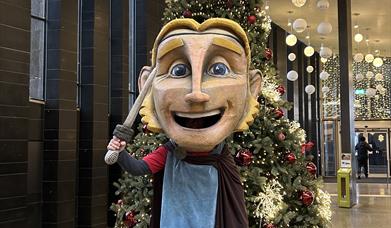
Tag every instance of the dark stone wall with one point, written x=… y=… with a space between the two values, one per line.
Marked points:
x=14 y=111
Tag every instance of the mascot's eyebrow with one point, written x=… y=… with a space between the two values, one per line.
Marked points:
x=169 y=46
x=227 y=44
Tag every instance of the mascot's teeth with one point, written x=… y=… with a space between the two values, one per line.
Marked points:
x=198 y=115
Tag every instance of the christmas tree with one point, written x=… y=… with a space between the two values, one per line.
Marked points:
x=281 y=187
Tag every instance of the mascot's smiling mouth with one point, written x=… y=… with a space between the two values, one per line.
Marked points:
x=198 y=120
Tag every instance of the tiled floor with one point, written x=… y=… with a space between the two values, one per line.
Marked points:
x=372 y=210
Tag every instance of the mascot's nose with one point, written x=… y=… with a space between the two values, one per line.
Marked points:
x=197 y=97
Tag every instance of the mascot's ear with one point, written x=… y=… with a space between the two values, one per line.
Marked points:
x=144 y=74
x=255 y=78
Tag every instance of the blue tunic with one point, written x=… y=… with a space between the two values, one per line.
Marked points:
x=189 y=193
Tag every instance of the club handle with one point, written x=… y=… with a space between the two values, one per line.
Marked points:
x=111 y=157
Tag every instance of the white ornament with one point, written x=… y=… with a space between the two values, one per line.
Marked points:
x=358 y=37
x=377 y=62
x=369 y=74
x=324 y=28
x=310 y=69
x=325 y=89
x=299 y=25
x=325 y=52
x=310 y=89
x=369 y=58
x=309 y=51
x=299 y=3
x=379 y=87
x=379 y=77
x=359 y=77
x=359 y=57
x=324 y=75
x=371 y=92
x=291 y=40
x=292 y=75
x=292 y=56
x=323 y=4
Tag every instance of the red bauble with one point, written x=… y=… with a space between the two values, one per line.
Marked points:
x=269 y=226
x=306 y=197
x=281 y=89
x=130 y=220
x=278 y=113
x=281 y=136
x=268 y=53
x=307 y=147
x=244 y=157
x=311 y=168
x=187 y=13
x=290 y=158
x=145 y=129
x=251 y=19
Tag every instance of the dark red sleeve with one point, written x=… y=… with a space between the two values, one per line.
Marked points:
x=156 y=159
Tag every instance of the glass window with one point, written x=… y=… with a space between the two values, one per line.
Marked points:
x=37 y=49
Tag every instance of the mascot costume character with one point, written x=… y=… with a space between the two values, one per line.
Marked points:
x=202 y=91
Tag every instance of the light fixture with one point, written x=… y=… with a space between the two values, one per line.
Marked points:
x=359 y=57
x=325 y=52
x=324 y=75
x=358 y=37
x=324 y=28
x=291 y=40
x=291 y=57
x=369 y=58
x=323 y=60
x=310 y=69
x=299 y=25
x=309 y=51
x=325 y=89
x=377 y=62
x=371 y=92
x=359 y=77
x=379 y=77
x=369 y=74
x=299 y=3
x=292 y=75
x=323 y=4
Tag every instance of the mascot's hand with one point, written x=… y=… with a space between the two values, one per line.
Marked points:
x=116 y=144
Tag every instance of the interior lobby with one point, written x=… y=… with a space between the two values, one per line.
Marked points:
x=69 y=74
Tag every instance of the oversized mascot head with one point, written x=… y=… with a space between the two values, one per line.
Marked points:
x=203 y=89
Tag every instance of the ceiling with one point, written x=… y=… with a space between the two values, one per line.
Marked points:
x=374 y=23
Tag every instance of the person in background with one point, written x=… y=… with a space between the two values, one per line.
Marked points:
x=362 y=148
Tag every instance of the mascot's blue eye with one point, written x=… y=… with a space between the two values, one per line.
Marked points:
x=218 y=69
x=180 y=70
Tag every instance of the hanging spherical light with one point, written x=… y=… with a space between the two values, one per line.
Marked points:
x=310 y=69
x=369 y=58
x=323 y=60
x=371 y=92
x=291 y=56
x=292 y=75
x=299 y=3
x=299 y=25
x=325 y=52
x=379 y=87
x=359 y=57
x=359 y=77
x=377 y=62
x=325 y=89
x=369 y=74
x=324 y=28
x=323 y=4
x=324 y=75
x=358 y=37
x=309 y=51
x=309 y=89
x=291 y=40
x=379 y=77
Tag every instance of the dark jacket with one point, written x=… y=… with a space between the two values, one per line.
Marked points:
x=362 y=150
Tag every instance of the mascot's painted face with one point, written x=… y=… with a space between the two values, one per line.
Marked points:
x=201 y=92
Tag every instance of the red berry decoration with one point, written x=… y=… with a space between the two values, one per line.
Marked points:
x=130 y=220
x=281 y=136
x=187 y=13
x=145 y=129
x=278 y=113
x=290 y=158
x=244 y=157
x=268 y=53
x=251 y=19
x=281 y=89
x=306 y=197
x=311 y=168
